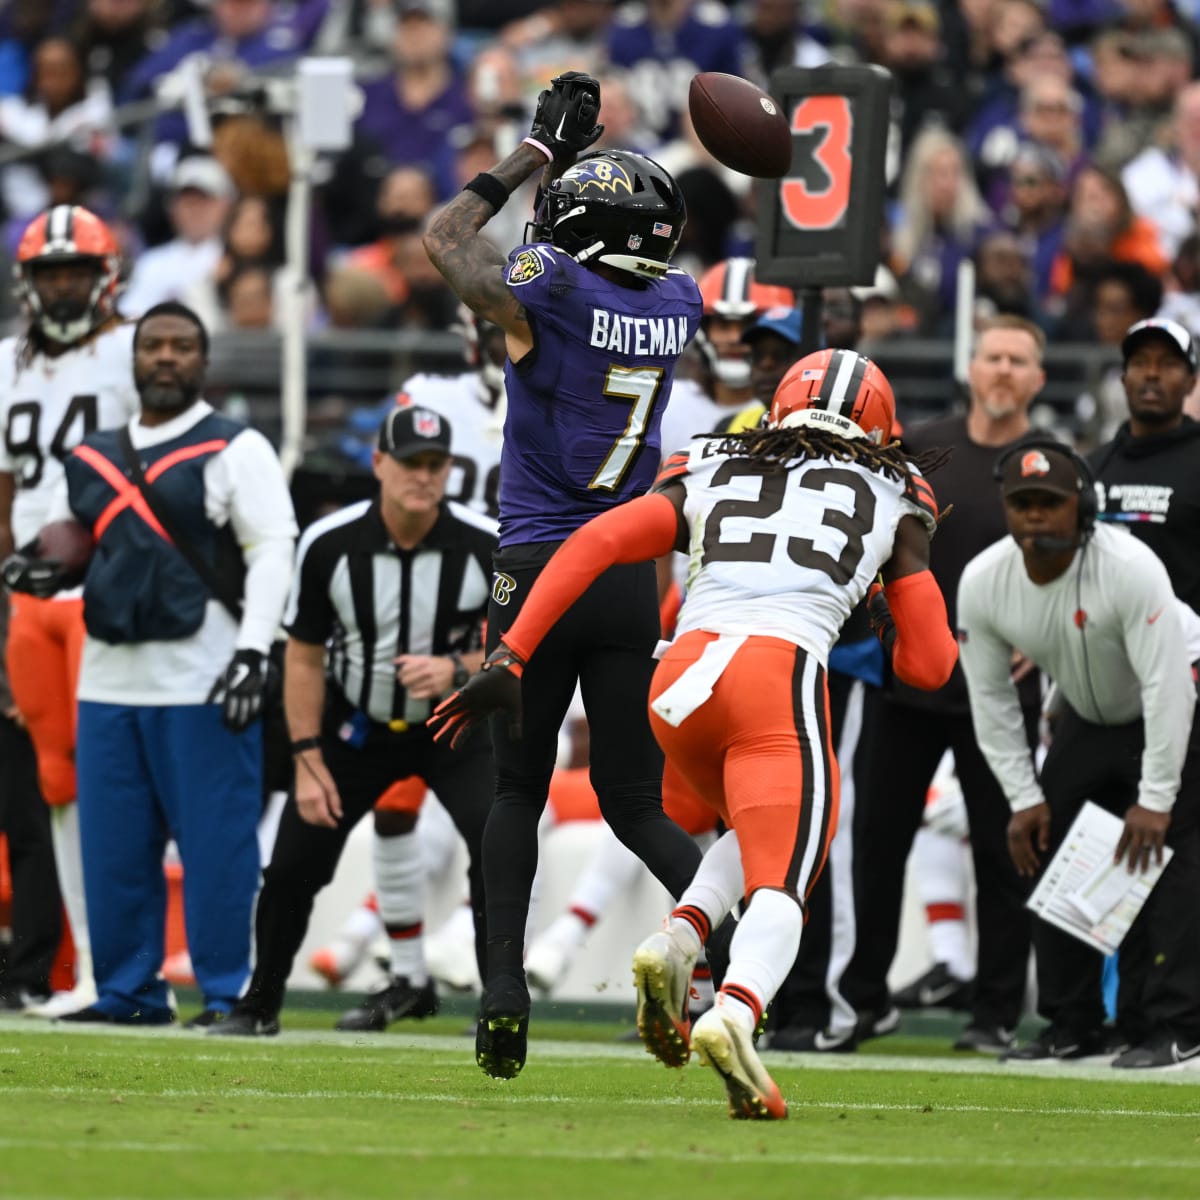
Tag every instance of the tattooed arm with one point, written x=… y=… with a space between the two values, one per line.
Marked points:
x=471 y=265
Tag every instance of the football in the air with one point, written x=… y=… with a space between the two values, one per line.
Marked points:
x=68 y=542
x=740 y=125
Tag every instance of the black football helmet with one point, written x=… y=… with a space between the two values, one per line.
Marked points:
x=615 y=207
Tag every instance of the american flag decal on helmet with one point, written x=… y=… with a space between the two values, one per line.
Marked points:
x=662 y=229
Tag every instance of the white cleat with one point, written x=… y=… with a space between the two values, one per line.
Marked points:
x=662 y=974
x=82 y=995
x=721 y=1043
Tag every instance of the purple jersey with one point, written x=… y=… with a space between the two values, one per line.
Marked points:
x=585 y=406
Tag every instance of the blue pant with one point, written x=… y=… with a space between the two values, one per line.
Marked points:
x=146 y=775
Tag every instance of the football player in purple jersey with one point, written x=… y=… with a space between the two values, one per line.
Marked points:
x=595 y=319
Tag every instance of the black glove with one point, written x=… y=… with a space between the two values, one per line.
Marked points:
x=565 y=120
x=880 y=616
x=242 y=689
x=496 y=687
x=21 y=571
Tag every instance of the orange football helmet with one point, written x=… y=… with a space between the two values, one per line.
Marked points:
x=838 y=391
x=68 y=233
x=730 y=291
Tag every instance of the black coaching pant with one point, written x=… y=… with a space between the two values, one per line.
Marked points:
x=906 y=744
x=306 y=856
x=605 y=641
x=1159 y=972
x=36 y=906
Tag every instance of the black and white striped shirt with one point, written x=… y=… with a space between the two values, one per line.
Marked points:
x=356 y=591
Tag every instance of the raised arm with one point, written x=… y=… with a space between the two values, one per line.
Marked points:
x=564 y=124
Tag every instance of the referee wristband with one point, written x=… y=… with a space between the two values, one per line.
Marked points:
x=488 y=188
x=301 y=744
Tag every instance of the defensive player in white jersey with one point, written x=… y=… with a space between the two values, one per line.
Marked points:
x=68 y=374
x=786 y=527
x=475 y=401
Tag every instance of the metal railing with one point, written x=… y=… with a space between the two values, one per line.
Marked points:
x=347 y=369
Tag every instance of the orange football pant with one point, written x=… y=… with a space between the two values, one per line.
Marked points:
x=45 y=646
x=759 y=752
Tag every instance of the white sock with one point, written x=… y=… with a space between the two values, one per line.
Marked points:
x=438 y=836
x=761 y=954
x=400 y=886
x=612 y=869
x=364 y=924
x=68 y=859
x=568 y=931
x=718 y=885
x=942 y=881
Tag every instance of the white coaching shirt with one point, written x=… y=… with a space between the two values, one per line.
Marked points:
x=1126 y=657
x=49 y=406
x=785 y=554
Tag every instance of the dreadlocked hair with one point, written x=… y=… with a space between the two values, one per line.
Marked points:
x=779 y=449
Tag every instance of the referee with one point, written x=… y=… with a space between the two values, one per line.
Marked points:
x=407 y=575
x=1095 y=610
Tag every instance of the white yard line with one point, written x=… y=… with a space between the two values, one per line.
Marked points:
x=575 y=1153
x=577 y=1054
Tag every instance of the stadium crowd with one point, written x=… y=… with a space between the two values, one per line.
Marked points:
x=1056 y=146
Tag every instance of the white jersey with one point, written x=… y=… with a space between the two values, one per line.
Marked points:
x=786 y=554
x=690 y=410
x=476 y=431
x=47 y=408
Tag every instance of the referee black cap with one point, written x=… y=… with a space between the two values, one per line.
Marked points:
x=409 y=430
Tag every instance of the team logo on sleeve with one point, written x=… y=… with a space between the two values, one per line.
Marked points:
x=525 y=267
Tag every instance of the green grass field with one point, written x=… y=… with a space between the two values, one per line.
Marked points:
x=97 y=1114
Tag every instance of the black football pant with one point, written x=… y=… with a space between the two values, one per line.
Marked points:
x=1159 y=964
x=605 y=641
x=305 y=856
x=36 y=906
x=906 y=745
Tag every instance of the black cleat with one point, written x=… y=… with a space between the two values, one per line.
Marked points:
x=937 y=988
x=502 y=1035
x=246 y=1022
x=1058 y=1043
x=398 y=999
x=206 y=1019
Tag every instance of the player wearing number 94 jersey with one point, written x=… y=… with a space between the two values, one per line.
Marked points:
x=786 y=527
x=68 y=374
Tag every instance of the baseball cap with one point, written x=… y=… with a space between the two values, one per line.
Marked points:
x=1160 y=327
x=407 y=431
x=202 y=174
x=787 y=322
x=1039 y=469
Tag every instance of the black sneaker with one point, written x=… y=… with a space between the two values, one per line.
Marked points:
x=878 y=1024
x=1160 y=1050
x=398 y=999
x=206 y=1019
x=937 y=988
x=986 y=1039
x=806 y=1039
x=502 y=1035
x=1057 y=1043
x=246 y=1022
x=92 y=1015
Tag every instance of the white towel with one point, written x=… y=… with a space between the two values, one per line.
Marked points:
x=696 y=684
